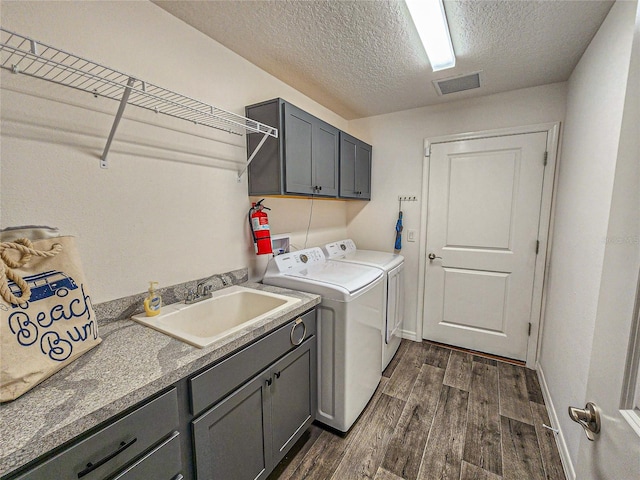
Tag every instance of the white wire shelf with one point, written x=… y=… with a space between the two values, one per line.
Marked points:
x=23 y=55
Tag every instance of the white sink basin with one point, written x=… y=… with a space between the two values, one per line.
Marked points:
x=227 y=311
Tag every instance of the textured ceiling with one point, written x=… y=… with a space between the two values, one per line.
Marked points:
x=362 y=58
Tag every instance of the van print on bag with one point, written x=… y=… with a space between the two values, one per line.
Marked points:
x=45 y=285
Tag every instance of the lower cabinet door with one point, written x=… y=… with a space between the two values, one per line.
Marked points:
x=230 y=440
x=292 y=397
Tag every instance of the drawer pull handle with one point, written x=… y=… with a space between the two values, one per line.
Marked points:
x=92 y=466
x=293 y=329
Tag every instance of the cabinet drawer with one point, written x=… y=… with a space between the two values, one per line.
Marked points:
x=109 y=449
x=162 y=463
x=218 y=381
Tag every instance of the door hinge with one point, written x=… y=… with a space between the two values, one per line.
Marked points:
x=537 y=246
x=529 y=333
x=546 y=157
x=427 y=151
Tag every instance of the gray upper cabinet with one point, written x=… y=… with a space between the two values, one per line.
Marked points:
x=355 y=168
x=302 y=161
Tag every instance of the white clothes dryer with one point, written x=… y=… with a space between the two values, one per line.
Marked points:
x=349 y=328
x=393 y=266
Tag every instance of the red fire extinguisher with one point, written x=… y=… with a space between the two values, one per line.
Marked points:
x=259 y=222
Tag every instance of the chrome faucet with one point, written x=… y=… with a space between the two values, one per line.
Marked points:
x=202 y=292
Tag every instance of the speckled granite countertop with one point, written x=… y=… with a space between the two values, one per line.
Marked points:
x=132 y=363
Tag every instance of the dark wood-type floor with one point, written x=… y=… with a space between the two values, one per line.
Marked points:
x=438 y=414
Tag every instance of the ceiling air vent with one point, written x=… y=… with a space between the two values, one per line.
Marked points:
x=457 y=84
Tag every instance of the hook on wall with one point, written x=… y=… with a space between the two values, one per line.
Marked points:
x=405 y=198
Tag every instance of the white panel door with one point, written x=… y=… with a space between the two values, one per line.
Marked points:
x=614 y=382
x=482 y=226
x=614 y=370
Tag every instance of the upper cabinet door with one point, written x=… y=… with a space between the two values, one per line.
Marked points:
x=363 y=171
x=347 y=166
x=298 y=150
x=355 y=168
x=325 y=159
x=265 y=173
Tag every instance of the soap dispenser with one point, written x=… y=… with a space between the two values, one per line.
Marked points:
x=153 y=302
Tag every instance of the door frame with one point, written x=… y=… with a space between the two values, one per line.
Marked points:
x=544 y=228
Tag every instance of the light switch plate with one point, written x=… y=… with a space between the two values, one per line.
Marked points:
x=411 y=235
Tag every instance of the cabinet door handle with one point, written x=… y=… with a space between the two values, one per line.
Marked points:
x=92 y=466
x=269 y=381
x=277 y=374
x=293 y=329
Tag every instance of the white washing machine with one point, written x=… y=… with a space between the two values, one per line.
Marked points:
x=349 y=328
x=393 y=266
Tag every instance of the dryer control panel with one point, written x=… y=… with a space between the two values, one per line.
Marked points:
x=340 y=249
x=299 y=260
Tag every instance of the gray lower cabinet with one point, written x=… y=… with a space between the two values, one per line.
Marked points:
x=292 y=398
x=236 y=418
x=355 y=168
x=231 y=439
x=302 y=161
x=139 y=446
x=245 y=435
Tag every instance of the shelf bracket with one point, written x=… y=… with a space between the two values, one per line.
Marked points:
x=264 y=139
x=116 y=121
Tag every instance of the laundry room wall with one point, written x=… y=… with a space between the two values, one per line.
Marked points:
x=398 y=162
x=169 y=207
x=595 y=107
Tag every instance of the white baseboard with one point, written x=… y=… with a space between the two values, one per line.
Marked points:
x=410 y=336
x=569 y=470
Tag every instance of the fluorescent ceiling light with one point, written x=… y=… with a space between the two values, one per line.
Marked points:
x=431 y=23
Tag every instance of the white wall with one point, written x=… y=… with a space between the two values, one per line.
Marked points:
x=398 y=144
x=590 y=141
x=620 y=457
x=169 y=207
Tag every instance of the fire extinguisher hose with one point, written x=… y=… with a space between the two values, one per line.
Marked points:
x=253 y=234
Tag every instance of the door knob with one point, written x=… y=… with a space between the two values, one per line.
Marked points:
x=588 y=418
x=432 y=257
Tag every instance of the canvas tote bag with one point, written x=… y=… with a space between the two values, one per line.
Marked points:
x=47 y=319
